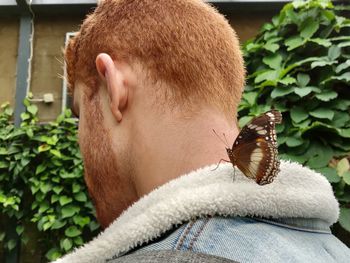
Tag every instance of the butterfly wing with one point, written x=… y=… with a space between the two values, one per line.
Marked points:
x=258 y=160
x=255 y=149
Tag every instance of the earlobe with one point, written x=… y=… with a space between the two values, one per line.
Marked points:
x=114 y=80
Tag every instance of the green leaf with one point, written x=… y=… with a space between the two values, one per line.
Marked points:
x=11 y=244
x=273 y=61
x=25 y=116
x=43 y=207
x=303 y=124
x=321 y=158
x=58 y=224
x=344 y=218
x=93 y=225
x=342 y=66
x=45 y=187
x=321 y=42
x=302 y=92
x=251 y=47
x=66 y=244
x=65 y=200
x=322 y=63
x=250 y=97
x=340 y=104
x=344 y=44
x=303 y=79
x=56 y=153
x=344 y=133
x=343 y=166
x=47 y=225
x=281 y=91
x=32 y=109
x=327 y=96
x=44 y=147
x=346 y=177
x=54 y=198
x=334 y=52
x=72 y=231
x=58 y=189
x=78 y=241
x=64 y=174
x=294 y=42
x=267 y=75
x=322 y=113
x=81 y=197
x=3 y=165
x=69 y=210
x=244 y=120
x=40 y=168
x=330 y=174
x=298 y=114
x=309 y=27
x=53 y=254
x=75 y=188
x=345 y=77
x=3 y=151
x=340 y=119
x=287 y=80
x=81 y=220
x=19 y=230
x=270 y=46
x=30 y=133
x=294 y=141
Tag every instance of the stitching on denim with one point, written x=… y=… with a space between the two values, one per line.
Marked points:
x=198 y=233
x=184 y=235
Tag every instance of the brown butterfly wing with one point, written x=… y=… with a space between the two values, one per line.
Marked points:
x=255 y=149
x=258 y=161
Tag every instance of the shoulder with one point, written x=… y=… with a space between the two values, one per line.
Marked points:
x=170 y=256
x=248 y=239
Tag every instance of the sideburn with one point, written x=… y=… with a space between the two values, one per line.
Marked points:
x=111 y=191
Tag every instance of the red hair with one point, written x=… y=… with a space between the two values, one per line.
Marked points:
x=185 y=44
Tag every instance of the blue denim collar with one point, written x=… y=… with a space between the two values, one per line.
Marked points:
x=303 y=224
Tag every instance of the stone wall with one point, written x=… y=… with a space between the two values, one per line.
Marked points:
x=8 y=58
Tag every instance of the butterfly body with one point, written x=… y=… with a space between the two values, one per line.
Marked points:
x=254 y=151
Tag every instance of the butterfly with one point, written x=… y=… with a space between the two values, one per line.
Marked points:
x=254 y=151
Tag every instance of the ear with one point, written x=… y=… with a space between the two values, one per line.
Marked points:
x=114 y=80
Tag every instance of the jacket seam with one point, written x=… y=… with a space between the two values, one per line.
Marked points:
x=294 y=227
x=179 y=242
x=195 y=237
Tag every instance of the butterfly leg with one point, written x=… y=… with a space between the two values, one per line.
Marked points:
x=219 y=164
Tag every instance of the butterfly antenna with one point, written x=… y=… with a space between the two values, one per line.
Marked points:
x=221 y=139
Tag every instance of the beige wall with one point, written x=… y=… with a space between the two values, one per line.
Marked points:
x=47 y=71
x=8 y=55
x=47 y=61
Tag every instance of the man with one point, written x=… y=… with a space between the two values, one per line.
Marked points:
x=151 y=79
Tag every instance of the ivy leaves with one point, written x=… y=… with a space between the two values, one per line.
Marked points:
x=299 y=64
x=44 y=162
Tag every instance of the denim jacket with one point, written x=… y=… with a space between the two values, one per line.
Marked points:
x=216 y=213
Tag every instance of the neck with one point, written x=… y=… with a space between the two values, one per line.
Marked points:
x=171 y=148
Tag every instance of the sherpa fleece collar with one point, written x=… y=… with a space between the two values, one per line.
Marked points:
x=296 y=192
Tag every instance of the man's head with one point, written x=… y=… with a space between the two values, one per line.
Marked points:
x=144 y=71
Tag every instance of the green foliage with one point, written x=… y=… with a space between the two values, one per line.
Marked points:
x=299 y=64
x=41 y=181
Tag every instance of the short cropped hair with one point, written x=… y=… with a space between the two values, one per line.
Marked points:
x=185 y=44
